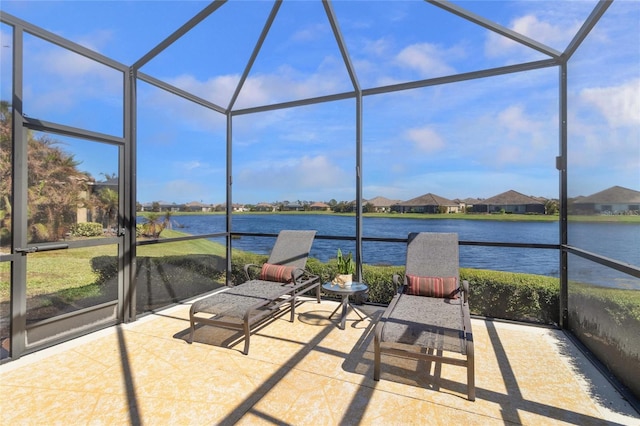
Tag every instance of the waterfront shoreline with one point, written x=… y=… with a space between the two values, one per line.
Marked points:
x=632 y=219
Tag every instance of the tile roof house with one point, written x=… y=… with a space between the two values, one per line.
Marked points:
x=466 y=204
x=382 y=204
x=318 y=206
x=614 y=200
x=427 y=203
x=264 y=207
x=196 y=206
x=292 y=207
x=161 y=206
x=510 y=202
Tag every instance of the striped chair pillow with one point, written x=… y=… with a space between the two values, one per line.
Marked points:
x=277 y=273
x=443 y=287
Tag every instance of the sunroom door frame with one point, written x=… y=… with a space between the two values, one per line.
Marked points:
x=66 y=326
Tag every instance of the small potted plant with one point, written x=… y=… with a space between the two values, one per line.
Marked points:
x=346 y=268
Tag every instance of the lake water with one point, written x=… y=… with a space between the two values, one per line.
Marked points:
x=617 y=241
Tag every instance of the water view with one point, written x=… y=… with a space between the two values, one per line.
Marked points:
x=613 y=240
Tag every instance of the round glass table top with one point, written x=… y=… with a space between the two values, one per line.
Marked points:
x=355 y=287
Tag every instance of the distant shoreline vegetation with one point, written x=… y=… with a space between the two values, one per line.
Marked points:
x=633 y=219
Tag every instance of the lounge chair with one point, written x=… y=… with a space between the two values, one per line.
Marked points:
x=430 y=313
x=281 y=280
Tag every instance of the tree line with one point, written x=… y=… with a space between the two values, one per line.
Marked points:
x=57 y=188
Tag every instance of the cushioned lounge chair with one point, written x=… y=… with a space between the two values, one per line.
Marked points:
x=430 y=314
x=280 y=280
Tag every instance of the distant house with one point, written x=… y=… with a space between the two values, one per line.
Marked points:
x=318 y=206
x=614 y=200
x=162 y=206
x=196 y=206
x=381 y=204
x=296 y=207
x=264 y=207
x=510 y=202
x=427 y=203
x=466 y=204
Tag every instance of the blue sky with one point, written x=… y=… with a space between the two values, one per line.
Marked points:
x=470 y=139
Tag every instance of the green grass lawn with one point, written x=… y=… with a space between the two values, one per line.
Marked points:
x=63 y=270
x=198 y=246
x=49 y=272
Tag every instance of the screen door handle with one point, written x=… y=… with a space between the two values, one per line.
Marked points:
x=48 y=247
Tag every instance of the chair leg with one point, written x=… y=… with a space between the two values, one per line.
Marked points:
x=376 y=357
x=247 y=336
x=471 y=375
x=193 y=329
x=193 y=325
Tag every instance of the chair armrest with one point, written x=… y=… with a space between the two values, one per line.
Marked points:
x=398 y=280
x=297 y=274
x=400 y=283
x=247 y=268
x=306 y=277
x=304 y=280
x=465 y=291
x=388 y=310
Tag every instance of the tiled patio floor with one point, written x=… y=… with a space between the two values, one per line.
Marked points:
x=305 y=373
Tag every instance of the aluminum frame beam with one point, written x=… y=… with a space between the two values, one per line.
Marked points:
x=255 y=52
x=179 y=92
x=346 y=58
x=473 y=75
x=60 y=129
x=586 y=27
x=62 y=42
x=496 y=28
x=201 y=16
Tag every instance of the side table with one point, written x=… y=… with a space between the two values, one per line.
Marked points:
x=345 y=292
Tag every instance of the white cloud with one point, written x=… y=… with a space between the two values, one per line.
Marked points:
x=535 y=138
x=287 y=84
x=217 y=89
x=516 y=123
x=188 y=166
x=283 y=84
x=67 y=64
x=544 y=32
x=425 y=139
x=310 y=33
x=591 y=159
x=57 y=79
x=620 y=105
x=510 y=154
x=377 y=47
x=426 y=58
x=287 y=178
x=556 y=35
x=181 y=191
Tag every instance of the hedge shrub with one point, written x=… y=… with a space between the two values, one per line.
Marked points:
x=87 y=229
x=513 y=296
x=496 y=294
x=506 y=295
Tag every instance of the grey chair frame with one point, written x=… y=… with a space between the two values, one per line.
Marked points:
x=243 y=306
x=434 y=325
